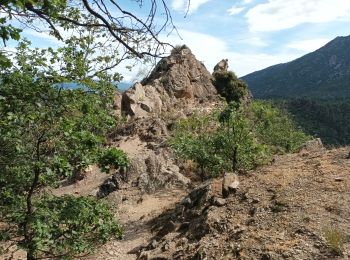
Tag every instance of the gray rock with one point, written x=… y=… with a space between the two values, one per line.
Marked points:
x=219 y=202
x=221 y=66
x=187 y=202
x=230 y=184
x=339 y=179
x=153 y=244
x=313 y=145
x=110 y=185
x=178 y=80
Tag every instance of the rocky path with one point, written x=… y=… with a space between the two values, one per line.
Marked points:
x=296 y=208
x=135 y=213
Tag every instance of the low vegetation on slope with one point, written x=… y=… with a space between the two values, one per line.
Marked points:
x=238 y=138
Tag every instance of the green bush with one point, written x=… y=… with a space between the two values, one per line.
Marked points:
x=239 y=138
x=69 y=226
x=113 y=158
x=275 y=127
x=193 y=141
x=219 y=143
x=229 y=86
x=335 y=239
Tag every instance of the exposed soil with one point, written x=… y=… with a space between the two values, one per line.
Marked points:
x=296 y=208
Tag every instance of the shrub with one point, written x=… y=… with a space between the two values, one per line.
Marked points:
x=113 y=158
x=229 y=86
x=217 y=145
x=275 y=127
x=68 y=226
x=239 y=138
x=335 y=239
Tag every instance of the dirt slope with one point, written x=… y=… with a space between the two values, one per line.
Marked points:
x=295 y=208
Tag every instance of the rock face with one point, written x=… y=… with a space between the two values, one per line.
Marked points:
x=222 y=66
x=179 y=86
x=179 y=80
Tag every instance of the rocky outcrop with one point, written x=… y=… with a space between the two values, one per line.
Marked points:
x=222 y=66
x=177 y=81
x=140 y=101
x=313 y=145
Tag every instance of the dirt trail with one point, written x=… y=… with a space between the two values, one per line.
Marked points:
x=134 y=213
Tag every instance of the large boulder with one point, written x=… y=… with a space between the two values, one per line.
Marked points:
x=140 y=101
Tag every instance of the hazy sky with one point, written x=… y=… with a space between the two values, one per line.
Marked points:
x=252 y=34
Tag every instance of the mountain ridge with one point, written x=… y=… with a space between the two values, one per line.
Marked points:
x=324 y=73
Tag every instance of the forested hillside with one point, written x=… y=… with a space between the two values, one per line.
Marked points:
x=329 y=120
x=324 y=73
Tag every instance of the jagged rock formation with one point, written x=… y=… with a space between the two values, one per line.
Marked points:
x=177 y=81
x=179 y=86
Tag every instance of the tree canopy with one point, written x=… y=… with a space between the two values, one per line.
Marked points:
x=111 y=30
x=48 y=133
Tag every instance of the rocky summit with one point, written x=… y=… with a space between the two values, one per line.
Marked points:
x=177 y=82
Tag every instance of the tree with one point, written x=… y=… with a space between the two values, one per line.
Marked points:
x=275 y=128
x=132 y=34
x=219 y=143
x=47 y=134
x=235 y=140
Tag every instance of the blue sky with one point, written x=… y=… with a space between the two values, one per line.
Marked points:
x=252 y=34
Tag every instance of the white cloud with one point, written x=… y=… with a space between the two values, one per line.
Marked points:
x=190 y=5
x=281 y=14
x=246 y=2
x=235 y=10
x=36 y=36
x=308 y=45
x=255 y=41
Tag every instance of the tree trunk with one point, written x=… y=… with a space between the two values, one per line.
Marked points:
x=234 y=159
x=28 y=236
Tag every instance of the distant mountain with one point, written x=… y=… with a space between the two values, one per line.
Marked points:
x=122 y=86
x=324 y=73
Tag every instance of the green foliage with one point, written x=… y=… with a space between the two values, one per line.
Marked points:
x=275 y=128
x=47 y=134
x=194 y=139
x=335 y=239
x=68 y=226
x=239 y=138
x=235 y=139
x=229 y=86
x=327 y=119
x=113 y=158
x=219 y=145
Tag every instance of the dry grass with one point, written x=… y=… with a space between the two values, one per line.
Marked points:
x=335 y=239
